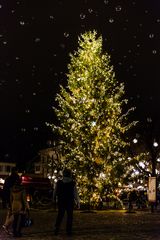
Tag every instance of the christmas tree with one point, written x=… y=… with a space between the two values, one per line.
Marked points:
x=92 y=124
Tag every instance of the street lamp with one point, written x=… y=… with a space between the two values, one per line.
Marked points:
x=153 y=148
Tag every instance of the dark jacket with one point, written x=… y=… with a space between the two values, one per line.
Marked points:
x=66 y=192
x=8 y=184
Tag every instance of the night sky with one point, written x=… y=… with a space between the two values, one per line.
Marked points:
x=36 y=38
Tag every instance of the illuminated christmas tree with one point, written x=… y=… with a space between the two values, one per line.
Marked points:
x=92 y=125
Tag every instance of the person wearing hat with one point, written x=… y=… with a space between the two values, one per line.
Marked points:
x=66 y=194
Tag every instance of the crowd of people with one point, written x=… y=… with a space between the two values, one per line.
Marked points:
x=16 y=203
x=65 y=194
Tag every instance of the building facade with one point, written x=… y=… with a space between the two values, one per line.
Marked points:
x=5 y=168
x=48 y=162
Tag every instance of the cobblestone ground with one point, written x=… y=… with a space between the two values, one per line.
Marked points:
x=107 y=225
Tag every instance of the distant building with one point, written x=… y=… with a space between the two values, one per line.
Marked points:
x=47 y=162
x=5 y=169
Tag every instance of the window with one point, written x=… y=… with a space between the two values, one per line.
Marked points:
x=7 y=168
x=37 y=168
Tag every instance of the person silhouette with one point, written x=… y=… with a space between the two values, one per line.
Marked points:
x=66 y=194
x=8 y=184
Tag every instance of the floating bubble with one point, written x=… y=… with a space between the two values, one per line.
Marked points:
x=118 y=8
x=106 y=1
x=37 y=40
x=111 y=20
x=27 y=111
x=82 y=25
x=4 y=42
x=149 y=119
x=7 y=155
x=62 y=45
x=90 y=10
x=22 y=23
x=66 y=34
x=151 y=35
x=23 y=129
x=158 y=20
x=82 y=16
x=154 y=51
x=0 y=6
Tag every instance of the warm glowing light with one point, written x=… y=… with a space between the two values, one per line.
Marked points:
x=141 y=164
x=2 y=180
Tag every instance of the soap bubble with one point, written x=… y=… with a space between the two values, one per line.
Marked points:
x=82 y=16
x=111 y=20
x=118 y=8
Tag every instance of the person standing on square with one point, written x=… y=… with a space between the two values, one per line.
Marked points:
x=66 y=194
x=8 y=184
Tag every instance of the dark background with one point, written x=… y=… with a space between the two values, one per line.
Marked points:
x=36 y=38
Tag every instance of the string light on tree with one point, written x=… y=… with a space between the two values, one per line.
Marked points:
x=93 y=126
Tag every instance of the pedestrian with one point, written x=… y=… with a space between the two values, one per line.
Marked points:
x=8 y=184
x=66 y=194
x=19 y=206
x=132 y=197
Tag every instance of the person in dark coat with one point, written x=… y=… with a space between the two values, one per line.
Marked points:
x=67 y=195
x=8 y=184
